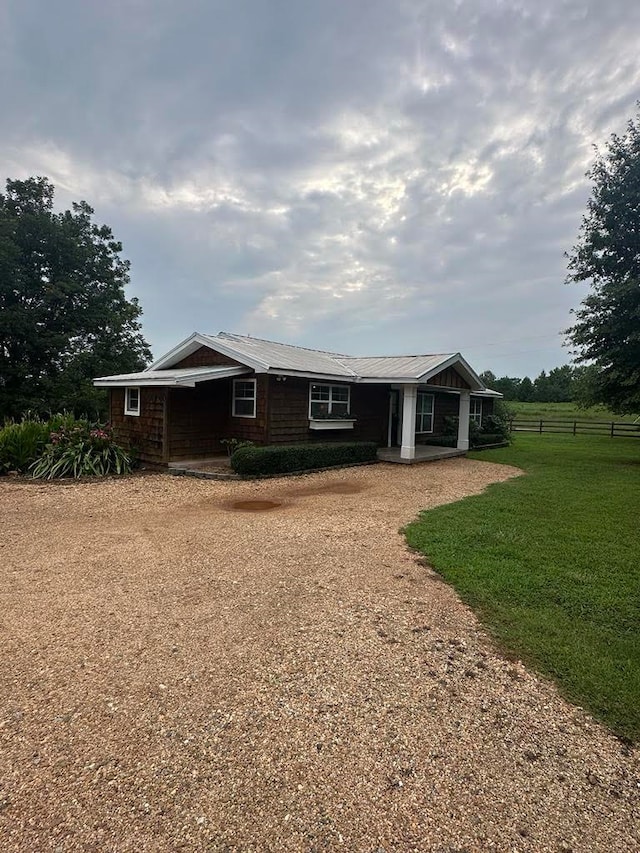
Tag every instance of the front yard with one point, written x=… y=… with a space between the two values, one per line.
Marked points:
x=179 y=672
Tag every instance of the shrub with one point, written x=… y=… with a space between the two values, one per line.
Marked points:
x=486 y=438
x=22 y=443
x=77 y=448
x=442 y=441
x=233 y=444
x=277 y=459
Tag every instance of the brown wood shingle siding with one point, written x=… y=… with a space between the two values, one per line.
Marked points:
x=142 y=433
x=200 y=417
x=289 y=413
x=206 y=357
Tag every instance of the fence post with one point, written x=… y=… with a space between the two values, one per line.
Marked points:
x=540 y=426
x=613 y=423
x=575 y=424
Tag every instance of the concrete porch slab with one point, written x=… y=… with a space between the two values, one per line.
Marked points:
x=424 y=453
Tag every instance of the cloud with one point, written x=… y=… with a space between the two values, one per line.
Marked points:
x=366 y=176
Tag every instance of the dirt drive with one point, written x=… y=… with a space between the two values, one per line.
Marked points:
x=184 y=670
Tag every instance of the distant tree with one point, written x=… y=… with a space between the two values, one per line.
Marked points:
x=64 y=317
x=525 y=390
x=607 y=255
x=488 y=378
x=560 y=383
x=507 y=386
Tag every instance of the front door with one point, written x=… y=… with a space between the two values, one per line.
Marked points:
x=393 y=437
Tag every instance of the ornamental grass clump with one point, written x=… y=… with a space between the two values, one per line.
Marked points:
x=21 y=443
x=77 y=449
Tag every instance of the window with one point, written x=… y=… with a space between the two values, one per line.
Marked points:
x=132 y=401
x=475 y=412
x=424 y=412
x=244 y=398
x=327 y=400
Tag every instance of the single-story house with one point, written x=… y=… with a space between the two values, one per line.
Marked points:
x=214 y=387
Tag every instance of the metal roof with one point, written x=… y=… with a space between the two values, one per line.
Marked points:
x=395 y=366
x=185 y=376
x=270 y=355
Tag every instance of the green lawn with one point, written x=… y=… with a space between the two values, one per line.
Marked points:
x=551 y=563
x=567 y=410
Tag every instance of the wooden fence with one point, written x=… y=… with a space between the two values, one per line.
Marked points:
x=615 y=429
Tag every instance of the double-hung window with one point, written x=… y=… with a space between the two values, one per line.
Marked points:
x=244 y=398
x=132 y=401
x=475 y=410
x=424 y=412
x=326 y=400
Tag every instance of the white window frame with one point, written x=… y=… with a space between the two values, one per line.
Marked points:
x=128 y=408
x=234 y=398
x=330 y=401
x=421 y=415
x=475 y=410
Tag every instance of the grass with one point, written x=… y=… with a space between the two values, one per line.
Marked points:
x=551 y=563
x=571 y=411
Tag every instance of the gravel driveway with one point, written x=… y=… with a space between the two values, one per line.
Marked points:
x=178 y=674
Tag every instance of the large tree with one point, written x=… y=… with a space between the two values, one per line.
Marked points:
x=607 y=256
x=64 y=316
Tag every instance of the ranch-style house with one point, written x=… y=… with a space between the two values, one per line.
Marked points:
x=214 y=387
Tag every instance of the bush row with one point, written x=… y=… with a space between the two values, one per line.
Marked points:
x=63 y=446
x=276 y=459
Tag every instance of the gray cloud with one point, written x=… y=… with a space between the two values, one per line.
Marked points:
x=365 y=176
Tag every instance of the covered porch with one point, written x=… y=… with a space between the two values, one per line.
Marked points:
x=422 y=453
x=416 y=418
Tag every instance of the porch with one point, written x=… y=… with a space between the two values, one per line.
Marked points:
x=422 y=453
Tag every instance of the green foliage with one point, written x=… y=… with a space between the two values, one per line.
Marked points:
x=442 y=441
x=495 y=428
x=484 y=439
x=607 y=255
x=233 y=444
x=64 y=318
x=77 y=448
x=551 y=561
x=281 y=459
x=22 y=443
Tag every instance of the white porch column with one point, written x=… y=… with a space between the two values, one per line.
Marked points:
x=463 y=420
x=409 y=399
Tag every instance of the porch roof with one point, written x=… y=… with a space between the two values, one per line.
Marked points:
x=186 y=377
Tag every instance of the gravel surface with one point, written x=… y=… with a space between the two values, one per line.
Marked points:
x=178 y=674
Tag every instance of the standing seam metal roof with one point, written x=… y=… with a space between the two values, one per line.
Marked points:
x=284 y=356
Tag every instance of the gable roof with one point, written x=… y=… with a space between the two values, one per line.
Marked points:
x=285 y=359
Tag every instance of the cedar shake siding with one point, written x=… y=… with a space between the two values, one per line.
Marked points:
x=141 y=433
x=206 y=357
x=198 y=418
x=289 y=413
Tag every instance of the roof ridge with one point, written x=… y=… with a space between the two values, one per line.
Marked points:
x=233 y=335
x=416 y=355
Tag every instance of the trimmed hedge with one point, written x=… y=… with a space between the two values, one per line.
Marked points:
x=489 y=438
x=283 y=459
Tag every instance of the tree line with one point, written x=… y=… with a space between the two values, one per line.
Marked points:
x=566 y=384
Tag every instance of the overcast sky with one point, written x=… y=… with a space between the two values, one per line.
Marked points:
x=365 y=176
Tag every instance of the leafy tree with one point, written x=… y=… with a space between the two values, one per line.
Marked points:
x=507 y=386
x=525 y=390
x=607 y=255
x=488 y=378
x=64 y=317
